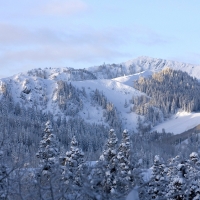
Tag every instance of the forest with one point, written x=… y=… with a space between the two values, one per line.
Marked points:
x=47 y=157
x=167 y=91
x=68 y=174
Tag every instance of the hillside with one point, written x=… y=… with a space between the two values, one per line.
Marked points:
x=141 y=64
x=110 y=71
x=81 y=104
x=43 y=89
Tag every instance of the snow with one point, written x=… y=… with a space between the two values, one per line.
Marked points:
x=116 y=93
x=180 y=122
x=42 y=83
x=133 y=195
x=129 y=80
x=144 y=63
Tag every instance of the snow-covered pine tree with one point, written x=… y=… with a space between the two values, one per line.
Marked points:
x=158 y=182
x=125 y=177
x=193 y=177
x=74 y=171
x=48 y=184
x=49 y=150
x=104 y=175
x=3 y=179
x=177 y=186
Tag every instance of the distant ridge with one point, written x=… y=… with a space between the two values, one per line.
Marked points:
x=141 y=64
x=110 y=71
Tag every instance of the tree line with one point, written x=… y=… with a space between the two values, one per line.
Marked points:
x=167 y=91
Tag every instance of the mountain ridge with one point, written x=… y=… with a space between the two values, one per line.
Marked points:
x=110 y=71
x=39 y=87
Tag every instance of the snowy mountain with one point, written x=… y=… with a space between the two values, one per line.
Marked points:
x=68 y=92
x=110 y=71
x=83 y=109
x=141 y=64
x=29 y=90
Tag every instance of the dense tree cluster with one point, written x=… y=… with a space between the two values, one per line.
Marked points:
x=60 y=175
x=67 y=174
x=110 y=112
x=68 y=98
x=168 y=90
x=62 y=171
x=177 y=179
x=70 y=74
x=21 y=128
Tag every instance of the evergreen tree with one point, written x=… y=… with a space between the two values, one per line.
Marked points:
x=177 y=186
x=125 y=178
x=104 y=181
x=3 y=179
x=74 y=171
x=193 y=177
x=48 y=149
x=158 y=182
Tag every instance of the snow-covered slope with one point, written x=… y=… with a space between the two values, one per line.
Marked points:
x=65 y=74
x=32 y=90
x=39 y=87
x=129 y=80
x=141 y=64
x=180 y=122
x=117 y=93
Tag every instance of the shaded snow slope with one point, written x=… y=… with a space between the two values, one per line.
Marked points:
x=180 y=122
x=133 y=195
x=129 y=80
x=37 y=88
x=65 y=74
x=110 y=71
x=142 y=64
x=116 y=93
x=40 y=92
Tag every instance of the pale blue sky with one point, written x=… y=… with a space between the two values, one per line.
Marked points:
x=84 y=33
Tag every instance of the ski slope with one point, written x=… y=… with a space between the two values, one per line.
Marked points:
x=116 y=93
x=42 y=84
x=129 y=80
x=180 y=122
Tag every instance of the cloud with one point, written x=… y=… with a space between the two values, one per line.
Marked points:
x=21 y=45
x=187 y=57
x=62 y=7
x=56 y=53
x=9 y=34
x=153 y=39
x=17 y=35
x=149 y=37
x=21 y=36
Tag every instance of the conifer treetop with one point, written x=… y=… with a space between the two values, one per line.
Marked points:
x=194 y=156
x=74 y=143
x=48 y=128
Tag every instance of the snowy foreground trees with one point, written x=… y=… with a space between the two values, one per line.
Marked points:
x=176 y=180
x=66 y=175
x=73 y=178
x=61 y=175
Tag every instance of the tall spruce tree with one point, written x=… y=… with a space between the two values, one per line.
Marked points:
x=193 y=177
x=74 y=171
x=3 y=179
x=158 y=182
x=125 y=177
x=49 y=150
x=104 y=181
x=177 y=186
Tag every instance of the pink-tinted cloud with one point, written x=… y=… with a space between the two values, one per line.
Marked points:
x=62 y=7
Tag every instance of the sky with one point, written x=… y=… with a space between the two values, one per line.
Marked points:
x=85 y=33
